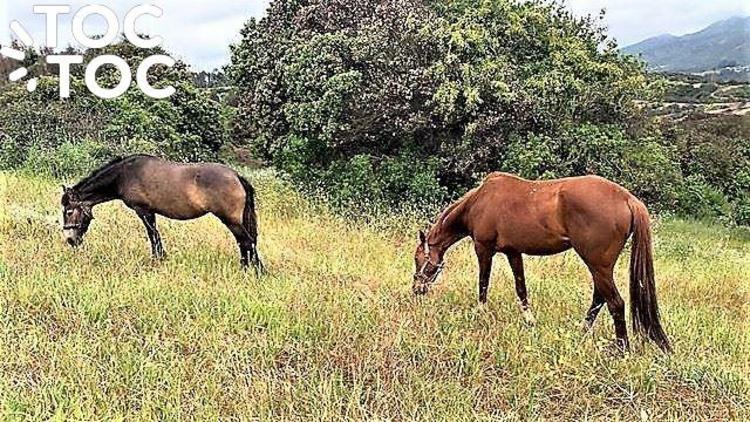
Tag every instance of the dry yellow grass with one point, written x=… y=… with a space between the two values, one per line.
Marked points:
x=334 y=332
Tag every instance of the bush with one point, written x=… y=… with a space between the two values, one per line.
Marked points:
x=697 y=198
x=642 y=165
x=42 y=120
x=362 y=183
x=338 y=90
x=188 y=126
x=12 y=154
x=741 y=210
x=67 y=160
x=716 y=148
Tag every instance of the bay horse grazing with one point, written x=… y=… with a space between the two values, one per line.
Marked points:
x=593 y=216
x=151 y=186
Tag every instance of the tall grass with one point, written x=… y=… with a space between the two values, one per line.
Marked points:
x=103 y=332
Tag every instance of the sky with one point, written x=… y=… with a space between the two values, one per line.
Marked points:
x=200 y=31
x=632 y=21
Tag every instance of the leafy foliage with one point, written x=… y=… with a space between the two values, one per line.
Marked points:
x=455 y=86
x=39 y=129
x=714 y=156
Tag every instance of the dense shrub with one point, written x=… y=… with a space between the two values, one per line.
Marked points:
x=67 y=159
x=714 y=156
x=700 y=199
x=643 y=165
x=716 y=148
x=334 y=90
x=40 y=129
x=408 y=100
x=741 y=210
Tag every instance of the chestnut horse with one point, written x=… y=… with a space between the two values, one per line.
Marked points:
x=591 y=215
x=151 y=186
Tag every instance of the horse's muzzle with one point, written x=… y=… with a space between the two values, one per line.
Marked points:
x=420 y=288
x=74 y=242
x=72 y=238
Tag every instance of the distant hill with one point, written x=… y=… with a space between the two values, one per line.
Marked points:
x=723 y=47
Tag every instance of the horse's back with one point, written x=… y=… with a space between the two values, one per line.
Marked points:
x=549 y=216
x=186 y=190
x=517 y=215
x=594 y=197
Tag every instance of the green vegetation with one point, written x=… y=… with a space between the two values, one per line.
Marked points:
x=68 y=136
x=440 y=92
x=404 y=106
x=103 y=332
x=411 y=103
x=382 y=110
x=702 y=90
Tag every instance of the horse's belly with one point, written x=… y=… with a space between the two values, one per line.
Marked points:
x=544 y=250
x=182 y=215
x=540 y=245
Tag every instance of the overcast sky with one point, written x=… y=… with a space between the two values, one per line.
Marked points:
x=200 y=31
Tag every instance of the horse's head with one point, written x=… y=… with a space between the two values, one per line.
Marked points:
x=77 y=216
x=429 y=264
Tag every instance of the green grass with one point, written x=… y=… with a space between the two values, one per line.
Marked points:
x=103 y=332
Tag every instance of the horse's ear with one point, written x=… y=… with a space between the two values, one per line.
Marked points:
x=422 y=237
x=68 y=197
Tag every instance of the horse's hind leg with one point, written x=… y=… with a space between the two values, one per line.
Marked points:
x=597 y=302
x=149 y=221
x=243 y=242
x=516 y=264
x=247 y=246
x=600 y=249
x=604 y=282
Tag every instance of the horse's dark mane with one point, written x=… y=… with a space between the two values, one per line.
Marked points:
x=103 y=174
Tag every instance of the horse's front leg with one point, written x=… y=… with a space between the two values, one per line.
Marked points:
x=516 y=264
x=149 y=221
x=484 y=256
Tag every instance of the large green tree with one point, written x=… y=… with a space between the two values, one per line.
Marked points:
x=418 y=98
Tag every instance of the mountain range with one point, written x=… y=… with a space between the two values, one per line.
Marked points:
x=722 y=45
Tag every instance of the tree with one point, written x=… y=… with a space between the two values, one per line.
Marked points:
x=329 y=87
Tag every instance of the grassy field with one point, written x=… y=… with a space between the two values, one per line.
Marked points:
x=334 y=331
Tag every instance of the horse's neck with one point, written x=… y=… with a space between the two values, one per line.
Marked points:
x=445 y=238
x=101 y=189
x=450 y=229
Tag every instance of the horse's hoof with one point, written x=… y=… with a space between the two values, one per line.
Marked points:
x=618 y=348
x=586 y=326
x=528 y=318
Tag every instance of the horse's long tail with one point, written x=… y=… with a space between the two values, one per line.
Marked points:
x=643 y=307
x=250 y=220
